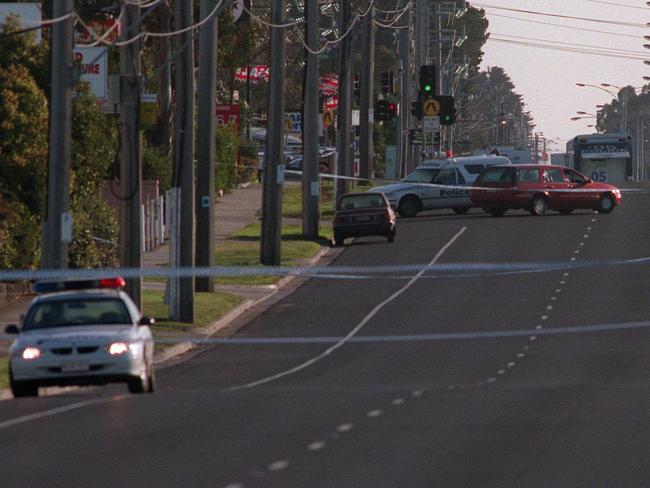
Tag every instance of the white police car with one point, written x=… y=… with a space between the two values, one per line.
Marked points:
x=81 y=333
x=438 y=183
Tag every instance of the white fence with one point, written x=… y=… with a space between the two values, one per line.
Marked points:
x=154 y=224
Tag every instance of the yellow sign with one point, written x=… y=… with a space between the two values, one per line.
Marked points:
x=431 y=107
x=328 y=118
x=288 y=125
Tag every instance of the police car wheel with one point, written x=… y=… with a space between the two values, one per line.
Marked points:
x=20 y=389
x=408 y=207
x=460 y=210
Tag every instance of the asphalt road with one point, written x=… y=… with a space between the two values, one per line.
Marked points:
x=569 y=410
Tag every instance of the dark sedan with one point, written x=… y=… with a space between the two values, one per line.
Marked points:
x=363 y=214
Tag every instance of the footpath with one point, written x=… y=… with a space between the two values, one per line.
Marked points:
x=233 y=211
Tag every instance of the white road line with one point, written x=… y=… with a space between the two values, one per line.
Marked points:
x=398 y=401
x=573 y=258
x=532 y=338
x=374 y=413
x=525 y=348
x=549 y=307
x=58 y=410
x=356 y=329
x=491 y=380
x=316 y=446
x=539 y=327
x=566 y=275
x=234 y=485
x=511 y=364
x=562 y=282
x=501 y=371
x=544 y=317
x=553 y=299
x=417 y=393
x=345 y=428
x=586 y=236
x=520 y=355
x=278 y=465
x=558 y=290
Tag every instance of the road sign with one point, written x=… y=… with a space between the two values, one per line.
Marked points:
x=430 y=107
x=328 y=118
x=431 y=124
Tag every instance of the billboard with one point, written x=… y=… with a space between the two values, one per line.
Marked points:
x=92 y=63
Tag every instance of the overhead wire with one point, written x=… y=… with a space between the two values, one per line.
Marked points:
x=602 y=53
x=572 y=44
x=626 y=5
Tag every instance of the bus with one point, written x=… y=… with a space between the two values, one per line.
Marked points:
x=602 y=157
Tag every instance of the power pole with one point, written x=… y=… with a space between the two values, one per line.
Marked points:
x=274 y=155
x=58 y=223
x=184 y=152
x=403 y=119
x=130 y=153
x=366 y=89
x=206 y=144
x=310 y=167
x=344 y=115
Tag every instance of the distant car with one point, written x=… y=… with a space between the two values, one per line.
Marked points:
x=363 y=214
x=538 y=188
x=81 y=333
x=437 y=184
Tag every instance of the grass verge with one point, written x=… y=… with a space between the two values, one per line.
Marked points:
x=208 y=307
x=243 y=249
x=4 y=372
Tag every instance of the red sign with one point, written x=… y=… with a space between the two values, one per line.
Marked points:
x=108 y=29
x=258 y=72
x=229 y=114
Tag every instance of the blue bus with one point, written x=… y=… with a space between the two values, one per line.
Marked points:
x=602 y=157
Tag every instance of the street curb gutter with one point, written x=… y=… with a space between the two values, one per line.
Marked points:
x=221 y=324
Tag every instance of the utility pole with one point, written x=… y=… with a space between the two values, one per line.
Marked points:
x=206 y=144
x=402 y=121
x=130 y=153
x=366 y=89
x=344 y=115
x=311 y=109
x=58 y=222
x=184 y=153
x=274 y=154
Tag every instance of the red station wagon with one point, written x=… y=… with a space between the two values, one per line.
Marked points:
x=537 y=188
x=363 y=214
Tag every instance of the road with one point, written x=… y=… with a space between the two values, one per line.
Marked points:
x=527 y=411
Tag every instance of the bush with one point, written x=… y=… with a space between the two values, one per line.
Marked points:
x=95 y=234
x=227 y=145
x=19 y=236
x=157 y=165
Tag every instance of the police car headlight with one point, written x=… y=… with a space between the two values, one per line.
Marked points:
x=31 y=353
x=118 y=348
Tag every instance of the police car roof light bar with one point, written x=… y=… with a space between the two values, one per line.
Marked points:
x=52 y=286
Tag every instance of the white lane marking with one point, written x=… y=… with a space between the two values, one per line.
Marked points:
x=345 y=428
x=520 y=355
x=374 y=413
x=549 y=307
x=491 y=380
x=58 y=410
x=577 y=251
x=525 y=348
x=511 y=364
x=234 y=485
x=316 y=446
x=562 y=282
x=544 y=317
x=589 y=228
x=539 y=327
x=278 y=465
x=566 y=274
x=553 y=299
x=501 y=371
x=593 y=220
x=582 y=244
x=573 y=258
x=417 y=393
x=532 y=338
x=398 y=401
x=356 y=329
x=558 y=290
x=586 y=236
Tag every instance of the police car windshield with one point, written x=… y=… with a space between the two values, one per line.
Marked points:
x=75 y=312
x=422 y=175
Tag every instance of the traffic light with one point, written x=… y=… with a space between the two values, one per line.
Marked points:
x=447 y=109
x=416 y=109
x=428 y=81
x=382 y=110
x=387 y=82
x=392 y=110
x=355 y=87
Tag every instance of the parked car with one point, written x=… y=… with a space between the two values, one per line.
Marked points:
x=438 y=183
x=538 y=188
x=363 y=214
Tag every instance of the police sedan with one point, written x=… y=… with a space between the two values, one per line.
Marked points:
x=81 y=333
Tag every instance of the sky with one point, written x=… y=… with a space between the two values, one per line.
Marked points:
x=547 y=78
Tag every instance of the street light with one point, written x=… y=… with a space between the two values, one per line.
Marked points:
x=622 y=103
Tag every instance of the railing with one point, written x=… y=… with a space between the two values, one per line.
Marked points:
x=154 y=223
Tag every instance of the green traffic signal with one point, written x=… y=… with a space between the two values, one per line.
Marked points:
x=427 y=88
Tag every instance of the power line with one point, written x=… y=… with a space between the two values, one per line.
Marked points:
x=572 y=44
x=619 y=4
x=565 y=26
x=603 y=53
x=560 y=16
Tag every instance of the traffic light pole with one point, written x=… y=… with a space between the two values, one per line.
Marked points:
x=344 y=115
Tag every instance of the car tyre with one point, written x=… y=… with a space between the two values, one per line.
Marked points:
x=565 y=211
x=496 y=211
x=408 y=207
x=539 y=205
x=460 y=210
x=21 y=389
x=606 y=203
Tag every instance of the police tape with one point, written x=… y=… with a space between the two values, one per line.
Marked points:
x=395 y=338
x=328 y=272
